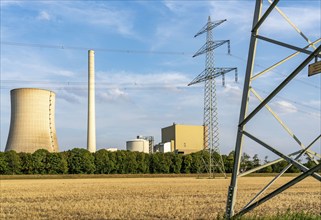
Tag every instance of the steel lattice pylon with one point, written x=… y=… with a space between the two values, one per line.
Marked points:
x=293 y=159
x=211 y=129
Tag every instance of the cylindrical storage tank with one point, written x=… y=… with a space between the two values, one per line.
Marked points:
x=139 y=145
x=32 y=124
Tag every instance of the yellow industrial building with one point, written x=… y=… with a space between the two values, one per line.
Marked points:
x=184 y=139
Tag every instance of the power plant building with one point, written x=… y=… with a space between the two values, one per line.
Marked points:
x=139 y=145
x=32 y=124
x=184 y=139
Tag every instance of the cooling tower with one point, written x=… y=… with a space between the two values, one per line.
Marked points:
x=91 y=129
x=32 y=124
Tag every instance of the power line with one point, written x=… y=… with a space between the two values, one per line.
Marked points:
x=264 y=67
x=129 y=51
x=76 y=85
x=290 y=100
x=142 y=87
x=63 y=47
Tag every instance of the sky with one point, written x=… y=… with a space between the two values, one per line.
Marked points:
x=143 y=62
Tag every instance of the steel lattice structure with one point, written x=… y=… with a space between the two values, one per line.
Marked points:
x=245 y=117
x=211 y=128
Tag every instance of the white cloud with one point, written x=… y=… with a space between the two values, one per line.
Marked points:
x=238 y=13
x=276 y=24
x=114 y=94
x=284 y=107
x=69 y=96
x=313 y=103
x=233 y=90
x=28 y=65
x=112 y=19
x=142 y=80
x=43 y=15
x=5 y=3
x=117 y=20
x=182 y=7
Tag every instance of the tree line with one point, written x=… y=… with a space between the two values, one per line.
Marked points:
x=81 y=161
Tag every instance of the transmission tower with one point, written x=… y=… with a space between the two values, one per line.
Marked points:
x=211 y=128
x=312 y=51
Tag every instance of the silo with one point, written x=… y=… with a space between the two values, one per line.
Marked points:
x=32 y=124
x=139 y=145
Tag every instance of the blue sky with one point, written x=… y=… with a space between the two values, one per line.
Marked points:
x=139 y=93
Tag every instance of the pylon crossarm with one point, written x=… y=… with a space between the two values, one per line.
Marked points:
x=289 y=46
x=265 y=15
x=286 y=128
x=291 y=23
x=210 y=73
x=209 y=46
x=209 y=26
x=266 y=165
x=284 y=60
x=288 y=159
x=299 y=178
x=281 y=86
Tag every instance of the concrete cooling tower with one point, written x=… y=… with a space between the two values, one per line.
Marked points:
x=32 y=124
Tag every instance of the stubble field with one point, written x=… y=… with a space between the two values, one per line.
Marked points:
x=146 y=198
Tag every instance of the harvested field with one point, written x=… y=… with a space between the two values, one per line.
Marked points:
x=145 y=198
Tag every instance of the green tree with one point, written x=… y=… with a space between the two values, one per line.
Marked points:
x=175 y=163
x=267 y=169
x=40 y=162
x=197 y=162
x=310 y=163
x=255 y=161
x=56 y=163
x=101 y=161
x=112 y=163
x=229 y=162
x=13 y=161
x=165 y=162
x=187 y=164
x=155 y=161
x=121 y=162
x=3 y=164
x=131 y=162
x=80 y=161
x=27 y=166
x=278 y=167
x=142 y=163
x=293 y=169
x=246 y=164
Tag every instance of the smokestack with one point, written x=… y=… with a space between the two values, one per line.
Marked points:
x=91 y=129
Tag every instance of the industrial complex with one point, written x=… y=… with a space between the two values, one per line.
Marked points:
x=32 y=124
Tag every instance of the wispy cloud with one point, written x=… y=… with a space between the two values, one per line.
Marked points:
x=115 y=20
x=5 y=3
x=276 y=24
x=237 y=13
x=113 y=94
x=284 y=107
x=43 y=15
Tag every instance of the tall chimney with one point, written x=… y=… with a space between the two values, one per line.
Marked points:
x=91 y=129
